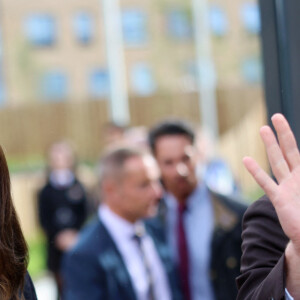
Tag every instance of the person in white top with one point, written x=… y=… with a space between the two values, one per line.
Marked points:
x=119 y=256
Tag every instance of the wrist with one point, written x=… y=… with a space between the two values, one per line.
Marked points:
x=292 y=268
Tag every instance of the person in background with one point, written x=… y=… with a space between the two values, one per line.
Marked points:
x=62 y=206
x=118 y=255
x=203 y=228
x=113 y=133
x=137 y=137
x=15 y=283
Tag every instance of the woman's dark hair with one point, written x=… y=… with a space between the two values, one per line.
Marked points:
x=13 y=248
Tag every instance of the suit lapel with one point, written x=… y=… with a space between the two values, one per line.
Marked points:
x=163 y=252
x=161 y=246
x=224 y=221
x=112 y=262
x=224 y=218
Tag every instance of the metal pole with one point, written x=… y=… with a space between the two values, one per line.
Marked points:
x=206 y=79
x=118 y=104
x=284 y=61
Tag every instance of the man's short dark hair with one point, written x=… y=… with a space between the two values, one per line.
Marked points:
x=170 y=127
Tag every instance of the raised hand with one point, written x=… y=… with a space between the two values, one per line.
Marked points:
x=284 y=160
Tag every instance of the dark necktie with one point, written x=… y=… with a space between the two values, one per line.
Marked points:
x=183 y=253
x=138 y=237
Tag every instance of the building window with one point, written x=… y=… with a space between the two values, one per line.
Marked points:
x=218 y=20
x=99 y=83
x=179 y=24
x=40 y=29
x=190 y=68
x=252 y=70
x=142 y=80
x=251 y=17
x=188 y=79
x=83 y=27
x=54 y=86
x=134 y=27
x=204 y=74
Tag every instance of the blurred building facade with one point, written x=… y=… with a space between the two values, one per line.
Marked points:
x=53 y=66
x=54 y=76
x=54 y=52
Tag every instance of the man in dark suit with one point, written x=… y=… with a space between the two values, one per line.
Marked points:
x=270 y=263
x=62 y=205
x=203 y=228
x=118 y=257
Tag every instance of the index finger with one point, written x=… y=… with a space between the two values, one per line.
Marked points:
x=261 y=177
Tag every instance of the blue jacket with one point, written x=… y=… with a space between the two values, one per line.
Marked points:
x=95 y=270
x=29 y=290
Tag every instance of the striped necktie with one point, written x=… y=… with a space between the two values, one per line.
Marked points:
x=138 y=237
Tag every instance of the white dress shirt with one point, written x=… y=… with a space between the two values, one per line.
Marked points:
x=288 y=296
x=122 y=233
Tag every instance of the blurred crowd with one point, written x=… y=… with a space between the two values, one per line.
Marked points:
x=163 y=222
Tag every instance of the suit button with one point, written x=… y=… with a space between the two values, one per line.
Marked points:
x=231 y=262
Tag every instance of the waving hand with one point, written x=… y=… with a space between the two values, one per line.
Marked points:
x=284 y=160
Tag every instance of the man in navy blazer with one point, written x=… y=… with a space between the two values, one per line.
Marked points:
x=118 y=256
x=203 y=228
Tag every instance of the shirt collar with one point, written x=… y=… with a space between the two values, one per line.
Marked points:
x=200 y=192
x=61 y=178
x=117 y=226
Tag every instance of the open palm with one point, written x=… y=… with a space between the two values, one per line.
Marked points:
x=284 y=160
